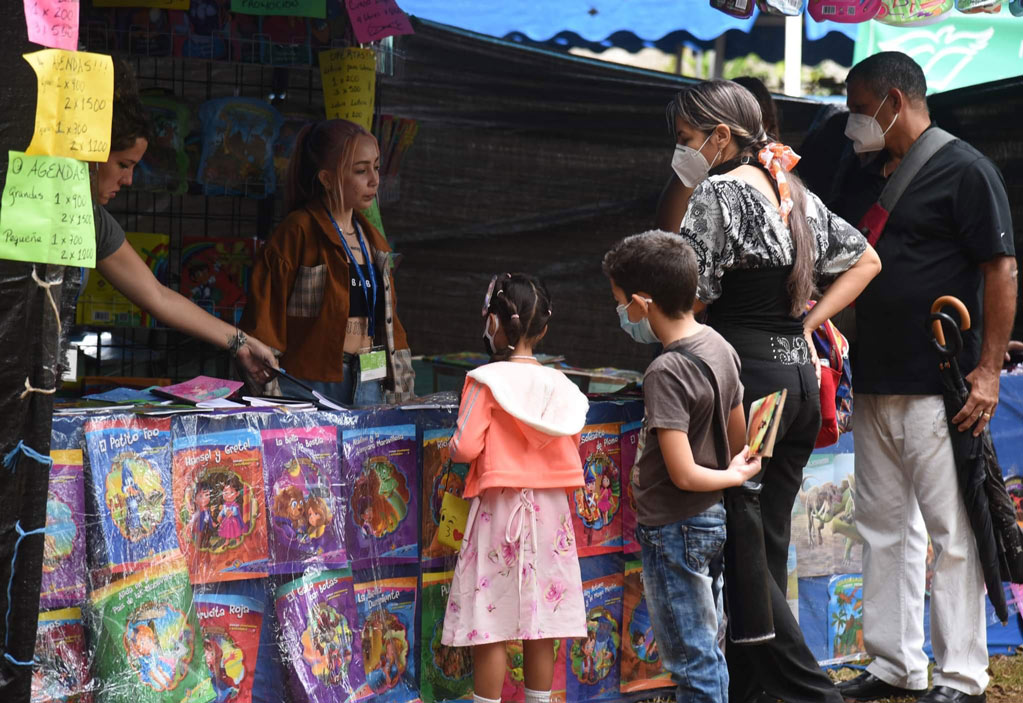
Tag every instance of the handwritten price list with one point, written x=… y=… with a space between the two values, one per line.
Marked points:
x=375 y=19
x=46 y=213
x=349 y=80
x=53 y=23
x=75 y=104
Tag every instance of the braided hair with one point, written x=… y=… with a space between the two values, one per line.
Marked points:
x=522 y=305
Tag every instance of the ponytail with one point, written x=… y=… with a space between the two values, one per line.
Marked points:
x=522 y=305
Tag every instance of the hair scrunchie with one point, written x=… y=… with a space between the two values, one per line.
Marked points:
x=779 y=159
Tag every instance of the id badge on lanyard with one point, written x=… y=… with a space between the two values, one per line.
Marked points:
x=371 y=285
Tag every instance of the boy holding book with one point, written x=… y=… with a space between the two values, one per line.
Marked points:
x=694 y=414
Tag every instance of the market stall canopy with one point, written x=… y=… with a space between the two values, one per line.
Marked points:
x=598 y=24
x=960 y=51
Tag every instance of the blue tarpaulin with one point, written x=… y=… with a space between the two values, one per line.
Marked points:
x=596 y=20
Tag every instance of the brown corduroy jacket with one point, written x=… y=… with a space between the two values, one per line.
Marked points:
x=298 y=295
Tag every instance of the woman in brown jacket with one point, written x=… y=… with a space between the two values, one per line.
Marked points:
x=322 y=292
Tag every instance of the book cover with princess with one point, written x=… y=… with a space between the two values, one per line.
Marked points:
x=306 y=505
x=597 y=506
x=642 y=669
x=230 y=626
x=446 y=672
x=148 y=643
x=321 y=638
x=64 y=542
x=129 y=491
x=219 y=506
x=594 y=661
x=440 y=476
x=61 y=672
x=629 y=440
x=381 y=473
x=387 y=623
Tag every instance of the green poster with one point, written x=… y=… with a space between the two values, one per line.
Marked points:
x=149 y=648
x=446 y=671
x=46 y=215
x=372 y=213
x=955 y=52
x=291 y=8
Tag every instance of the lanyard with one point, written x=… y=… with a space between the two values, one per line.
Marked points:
x=370 y=304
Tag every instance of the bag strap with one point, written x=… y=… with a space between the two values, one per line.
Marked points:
x=719 y=432
x=927 y=145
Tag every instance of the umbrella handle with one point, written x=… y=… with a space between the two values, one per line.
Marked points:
x=955 y=343
x=964 y=316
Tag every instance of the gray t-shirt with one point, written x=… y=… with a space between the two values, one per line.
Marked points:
x=677 y=396
x=109 y=234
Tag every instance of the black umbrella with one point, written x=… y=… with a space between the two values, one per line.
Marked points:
x=992 y=513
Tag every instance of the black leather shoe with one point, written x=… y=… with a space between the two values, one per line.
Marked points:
x=944 y=694
x=867 y=687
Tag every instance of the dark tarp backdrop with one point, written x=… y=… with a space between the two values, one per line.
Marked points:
x=28 y=350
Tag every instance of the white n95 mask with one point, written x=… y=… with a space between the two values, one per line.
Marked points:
x=690 y=165
x=865 y=131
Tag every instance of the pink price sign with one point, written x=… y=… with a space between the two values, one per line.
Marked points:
x=373 y=20
x=53 y=23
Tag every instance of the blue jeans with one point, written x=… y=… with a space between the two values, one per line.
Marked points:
x=682 y=581
x=350 y=392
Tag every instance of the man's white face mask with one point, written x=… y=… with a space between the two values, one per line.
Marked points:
x=865 y=131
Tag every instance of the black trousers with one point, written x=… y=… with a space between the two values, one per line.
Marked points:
x=784 y=667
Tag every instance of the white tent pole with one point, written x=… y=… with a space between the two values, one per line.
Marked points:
x=793 y=55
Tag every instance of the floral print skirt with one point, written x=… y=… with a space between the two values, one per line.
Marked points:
x=517 y=575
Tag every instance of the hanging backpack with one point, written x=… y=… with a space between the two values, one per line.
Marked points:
x=836 y=382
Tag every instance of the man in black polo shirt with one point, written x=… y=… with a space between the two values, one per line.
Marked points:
x=949 y=234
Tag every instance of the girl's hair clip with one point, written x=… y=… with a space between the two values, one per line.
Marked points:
x=515 y=316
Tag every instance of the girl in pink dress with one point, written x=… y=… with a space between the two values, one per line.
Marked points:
x=517 y=575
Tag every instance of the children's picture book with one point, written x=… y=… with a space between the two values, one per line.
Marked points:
x=230 y=626
x=130 y=491
x=446 y=672
x=164 y=168
x=594 y=662
x=219 y=506
x=321 y=637
x=824 y=517
x=64 y=542
x=387 y=625
x=597 y=506
x=306 y=504
x=381 y=467
x=440 y=476
x=199 y=389
x=61 y=672
x=630 y=444
x=148 y=644
x=514 y=690
x=237 y=147
x=103 y=305
x=215 y=274
x=764 y=418
x=642 y=668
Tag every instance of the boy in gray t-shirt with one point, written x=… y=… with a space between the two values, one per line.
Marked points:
x=684 y=461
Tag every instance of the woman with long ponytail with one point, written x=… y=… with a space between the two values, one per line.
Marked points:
x=765 y=246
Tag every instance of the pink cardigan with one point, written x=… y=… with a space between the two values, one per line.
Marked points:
x=519 y=425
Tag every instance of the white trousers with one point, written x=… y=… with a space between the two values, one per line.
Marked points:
x=906 y=488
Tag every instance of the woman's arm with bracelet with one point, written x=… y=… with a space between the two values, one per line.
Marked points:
x=130 y=275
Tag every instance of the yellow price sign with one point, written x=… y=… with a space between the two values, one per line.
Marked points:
x=74 y=107
x=349 y=78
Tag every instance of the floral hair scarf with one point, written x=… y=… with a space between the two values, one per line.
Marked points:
x=778 y=159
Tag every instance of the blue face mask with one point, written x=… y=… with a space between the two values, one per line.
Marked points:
x=639 y=331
